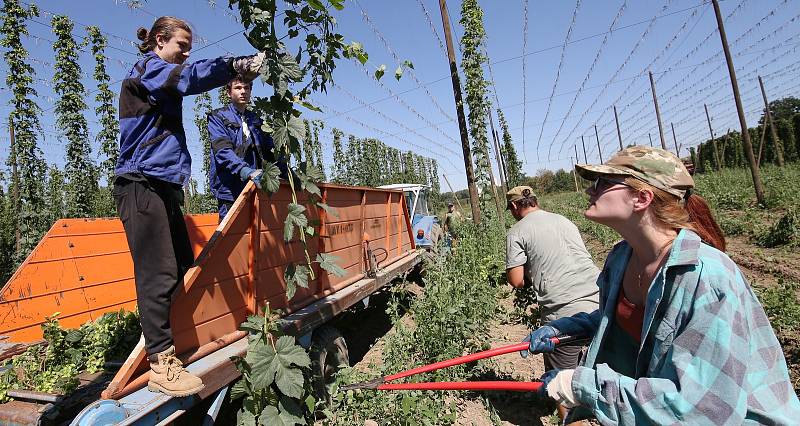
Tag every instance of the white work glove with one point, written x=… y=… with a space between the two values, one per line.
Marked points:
x=247 y=66
x=559 y=388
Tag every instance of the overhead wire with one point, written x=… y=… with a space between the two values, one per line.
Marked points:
x=558 y=72
x=432 y=26
x=524 y=75
x=616 y=73
x=586 y=78
x=396 y=57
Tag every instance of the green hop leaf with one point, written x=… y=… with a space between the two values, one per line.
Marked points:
x=240 y=389
x=253 y=324
x=287 y=413
x=296 y=217
x=261 y=358
x=289 y=67
x=317 y=4
x=380 y=71
x=328 y=262
x=296 y=127
x=328 y=209
x=270 y=178
x=310 y=106
x=295 y=276
x=245 y=418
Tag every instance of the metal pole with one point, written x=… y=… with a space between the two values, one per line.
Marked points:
x=599 y=152
x=15 y=183
x=748 y=146
x=583 y=145
x=713 y=140
x=675 y=139
x=651 y=139
x=619 y=134
x=462 y=122
x=773 y=132
x=658 y=112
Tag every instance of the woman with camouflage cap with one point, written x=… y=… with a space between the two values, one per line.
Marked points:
x=679 y=337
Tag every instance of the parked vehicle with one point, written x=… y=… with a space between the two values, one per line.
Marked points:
x=425 y=226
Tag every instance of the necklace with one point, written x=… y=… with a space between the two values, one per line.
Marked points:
x=658 y=257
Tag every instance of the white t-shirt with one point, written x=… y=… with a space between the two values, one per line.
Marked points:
x=556 y=262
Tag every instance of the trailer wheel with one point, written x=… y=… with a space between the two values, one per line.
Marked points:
x=328 y=354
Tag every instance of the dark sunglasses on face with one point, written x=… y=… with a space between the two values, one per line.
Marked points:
x=603 y=182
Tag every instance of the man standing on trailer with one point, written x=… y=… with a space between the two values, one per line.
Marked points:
x=239 y=148
x=545 y=250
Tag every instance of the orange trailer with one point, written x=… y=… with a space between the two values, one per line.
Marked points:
x=82 y=269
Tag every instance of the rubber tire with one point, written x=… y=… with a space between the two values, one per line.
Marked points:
x=328 y=354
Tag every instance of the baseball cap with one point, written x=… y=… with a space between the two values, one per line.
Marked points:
x=654 y=166
x=519 y=192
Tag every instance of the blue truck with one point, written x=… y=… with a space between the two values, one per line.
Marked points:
x=425 y=226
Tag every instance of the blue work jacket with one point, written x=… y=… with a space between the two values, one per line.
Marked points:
x=152 y=139
x=230 y=152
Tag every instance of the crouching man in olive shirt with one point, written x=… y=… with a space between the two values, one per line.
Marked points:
x=546 y=249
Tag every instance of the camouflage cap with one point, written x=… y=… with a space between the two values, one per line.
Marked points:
x=654 y=166
x=519 y=192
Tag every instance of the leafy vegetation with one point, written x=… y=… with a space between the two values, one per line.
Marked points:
x=451 y=318
x=54 y=365
x=275 y=384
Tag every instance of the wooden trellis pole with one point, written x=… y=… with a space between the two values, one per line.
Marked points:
x=713 y=140
x=748 y=146
x=773 y=132
x=599 y=152
x=619 y=134
x=583 y=145
x=658 y=112
x=462 y=122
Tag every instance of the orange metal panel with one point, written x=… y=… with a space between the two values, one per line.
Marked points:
x=82 y=267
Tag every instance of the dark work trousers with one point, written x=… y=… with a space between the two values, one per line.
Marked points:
x=563 y=357
x=151 y=214
x=224 y=206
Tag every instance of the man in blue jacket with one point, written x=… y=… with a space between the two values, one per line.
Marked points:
x=239 y=148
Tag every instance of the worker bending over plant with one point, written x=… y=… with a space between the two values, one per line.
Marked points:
x=545 y=251
x=680 y=337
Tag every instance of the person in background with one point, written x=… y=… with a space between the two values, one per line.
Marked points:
x=451 y=221
x=153 y=165
x=545 y=250
x=680 y=337
x=239 y=148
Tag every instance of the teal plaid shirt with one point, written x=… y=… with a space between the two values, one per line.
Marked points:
x=708 y=356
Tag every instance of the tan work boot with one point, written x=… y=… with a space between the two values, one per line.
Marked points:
x=168 y=376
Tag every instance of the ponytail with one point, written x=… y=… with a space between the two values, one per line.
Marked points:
x=164 y=26
x=704 y=223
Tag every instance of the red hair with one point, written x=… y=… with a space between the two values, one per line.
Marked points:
x=691 y=212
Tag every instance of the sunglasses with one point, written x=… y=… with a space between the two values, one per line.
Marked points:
x=603 y=182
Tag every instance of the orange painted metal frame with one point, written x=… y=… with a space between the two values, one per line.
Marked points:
x=241 y=268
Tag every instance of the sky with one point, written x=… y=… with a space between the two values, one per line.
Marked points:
x=556 y=70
